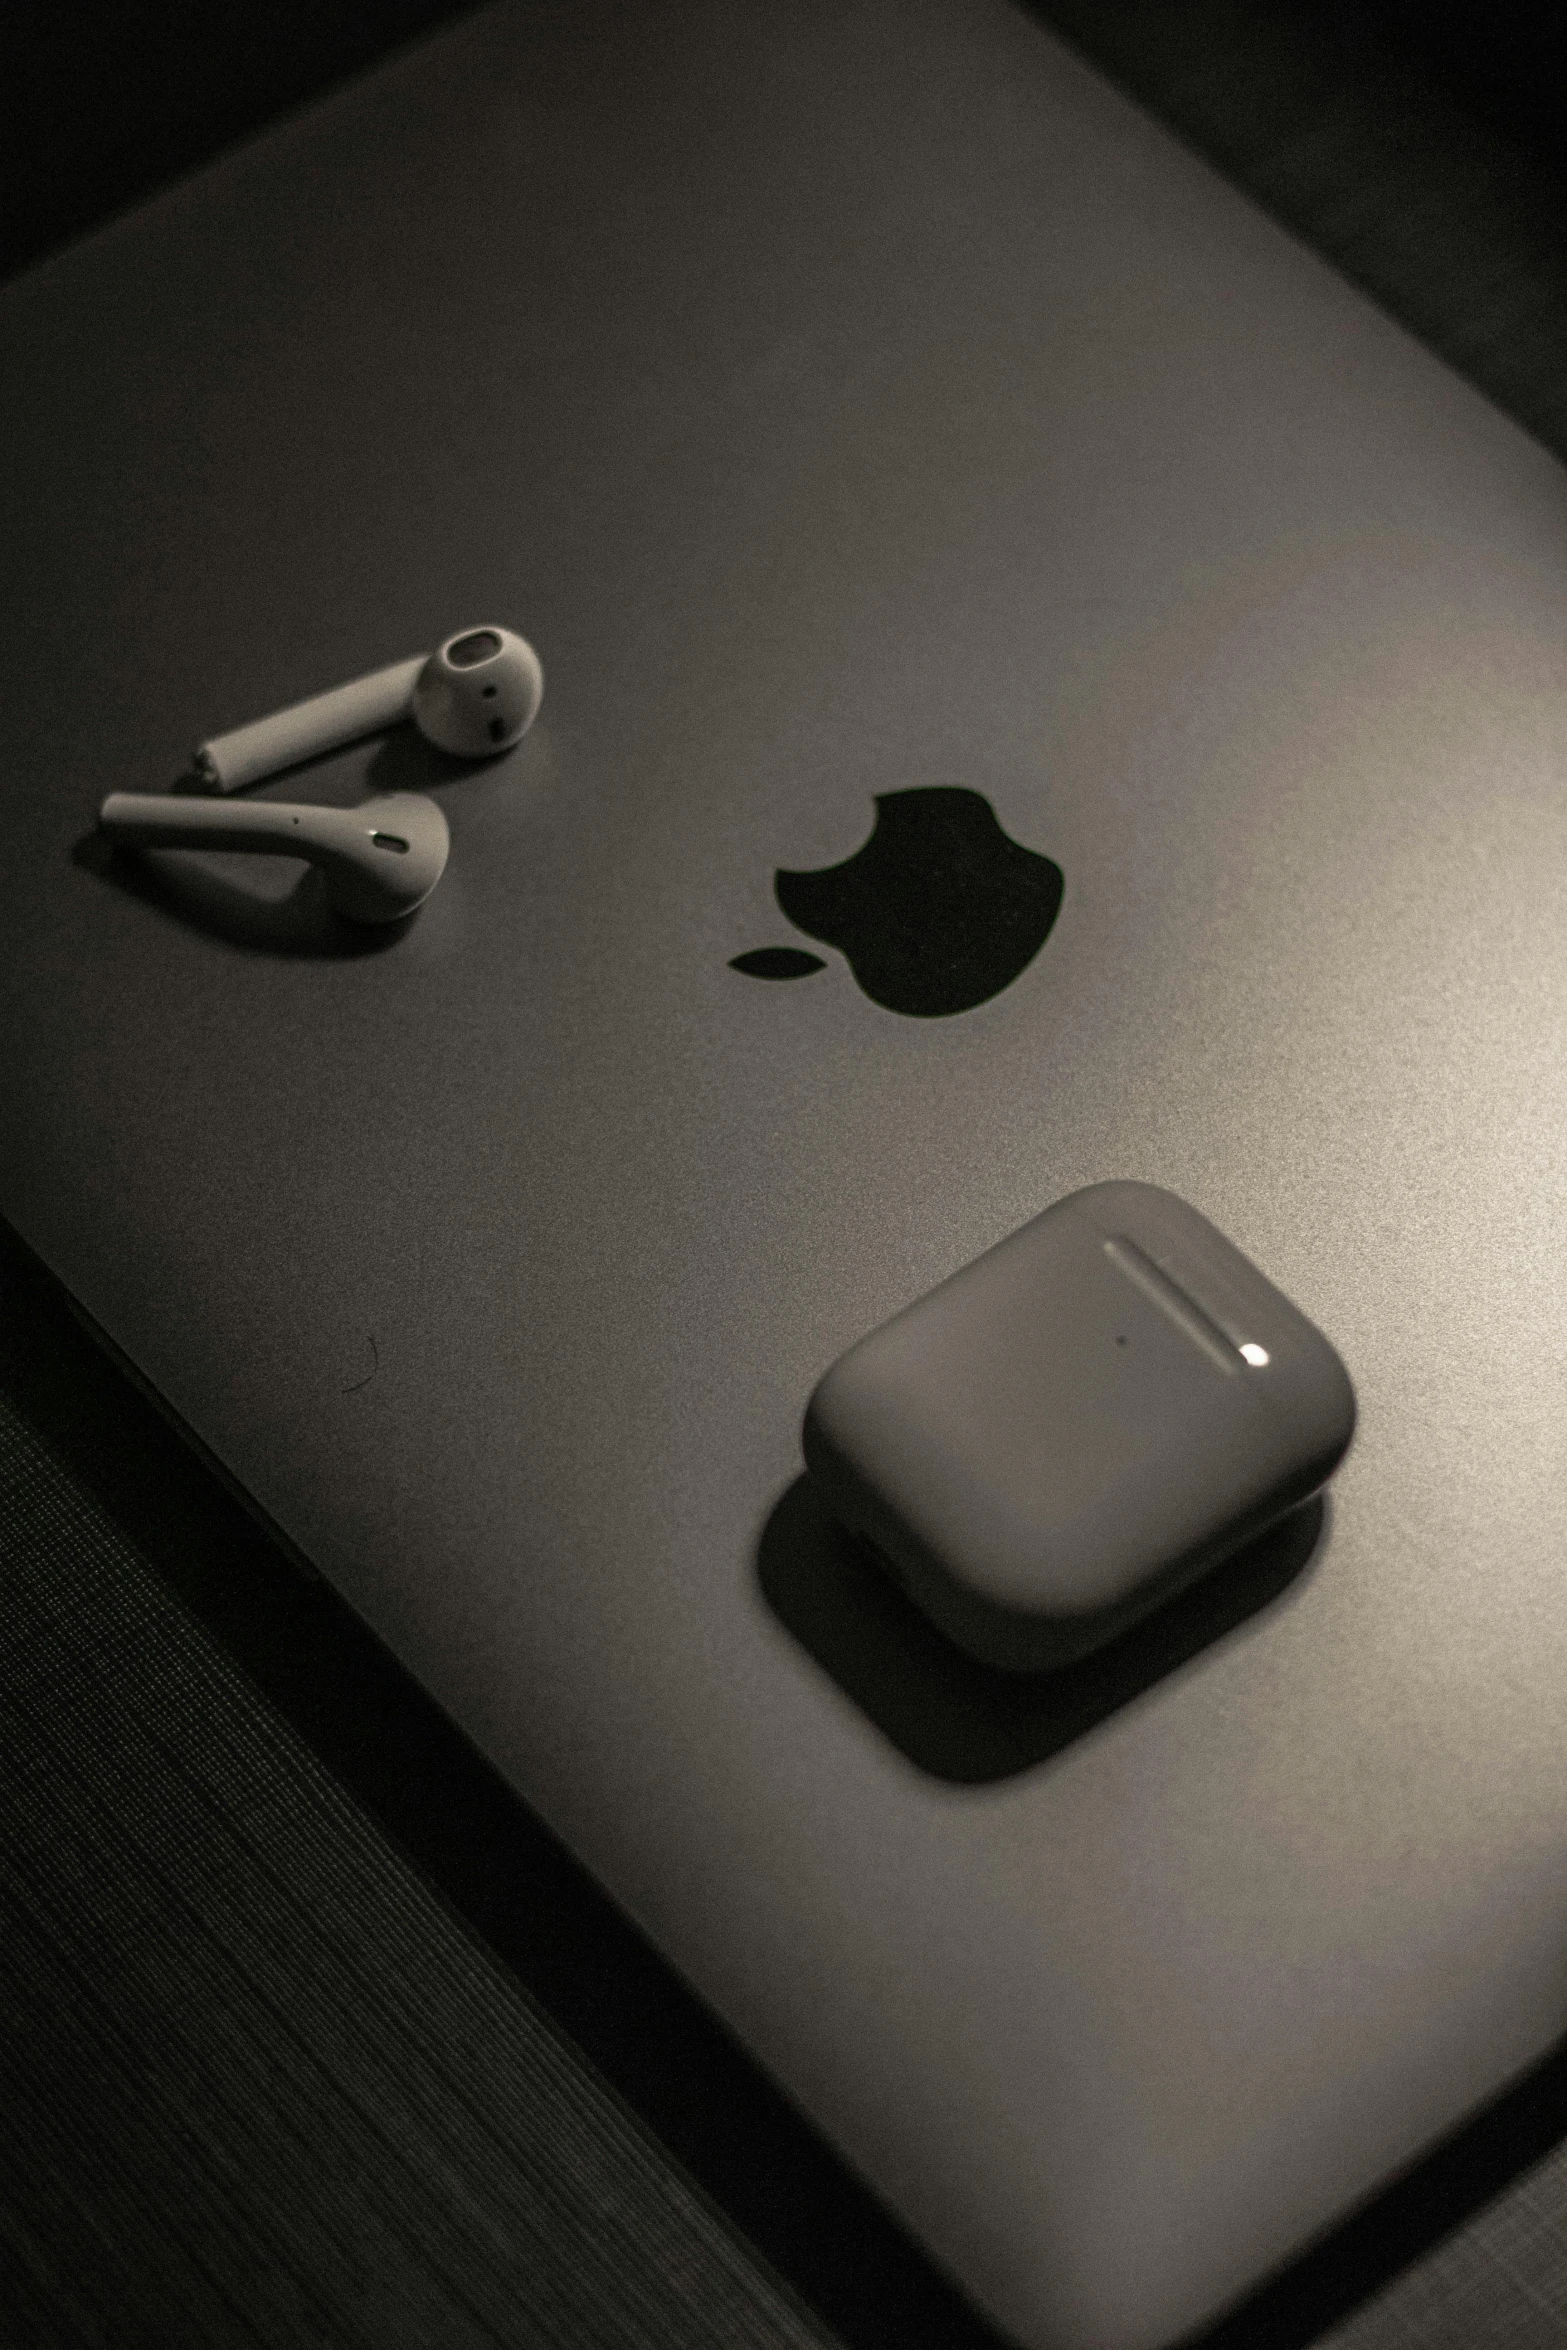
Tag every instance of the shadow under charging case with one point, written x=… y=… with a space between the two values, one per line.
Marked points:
x=1078 y=1424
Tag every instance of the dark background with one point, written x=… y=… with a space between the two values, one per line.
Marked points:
x=308 y=2032
x=101 y=106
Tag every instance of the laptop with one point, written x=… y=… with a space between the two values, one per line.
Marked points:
x=857 y=406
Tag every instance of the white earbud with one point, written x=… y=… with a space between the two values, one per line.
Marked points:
x=477 y=694
x=380 y=859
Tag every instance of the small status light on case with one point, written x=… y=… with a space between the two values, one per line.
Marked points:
x=1058 y=1438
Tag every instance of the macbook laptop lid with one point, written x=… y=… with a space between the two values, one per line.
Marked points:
x=850 y=402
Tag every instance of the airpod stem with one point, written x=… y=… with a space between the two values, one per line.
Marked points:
x=154 y=820
x=380 y=859
x=307 y=729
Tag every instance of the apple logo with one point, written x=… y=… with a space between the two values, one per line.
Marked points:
x=939 y=911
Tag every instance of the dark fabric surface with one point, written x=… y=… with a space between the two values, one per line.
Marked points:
x=166 y=1681
x=257 y=2085
x=1501 y=2284
x=1438 y=190
x=102 y=104
x=308 y=2033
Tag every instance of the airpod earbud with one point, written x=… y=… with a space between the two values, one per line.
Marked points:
x=380 y=859
x=477 y=694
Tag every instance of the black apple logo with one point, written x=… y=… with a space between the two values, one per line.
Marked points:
x=938 y=912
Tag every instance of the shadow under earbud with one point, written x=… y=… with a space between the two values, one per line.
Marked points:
x=965 y=1721
x=402 y=760
x=204 y=892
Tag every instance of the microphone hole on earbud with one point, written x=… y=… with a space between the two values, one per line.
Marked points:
x=498 y=730
x=490 y=692
x=389 y=840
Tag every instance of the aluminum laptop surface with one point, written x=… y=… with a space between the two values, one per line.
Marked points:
x=848 y=401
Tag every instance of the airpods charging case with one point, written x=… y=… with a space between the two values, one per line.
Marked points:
x=1077 y=1425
